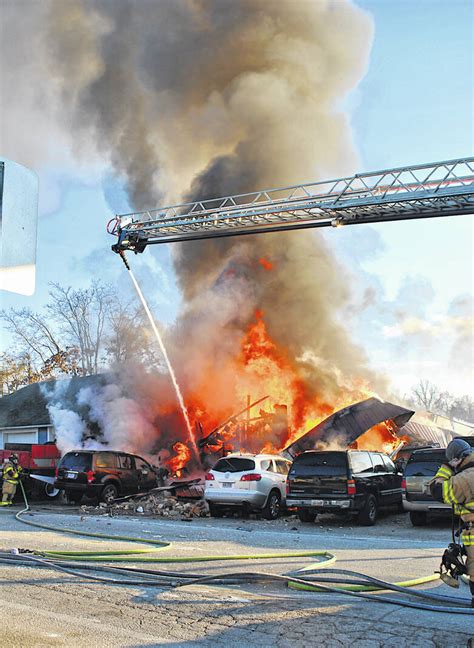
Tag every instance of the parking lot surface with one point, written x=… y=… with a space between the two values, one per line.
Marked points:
x=47 y=608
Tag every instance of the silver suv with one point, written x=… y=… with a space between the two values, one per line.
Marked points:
x=250 y=482
x=420 y=469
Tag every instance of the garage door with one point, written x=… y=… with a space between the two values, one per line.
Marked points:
x=20 y=437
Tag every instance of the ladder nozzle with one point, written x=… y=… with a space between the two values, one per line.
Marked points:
x=124 y=258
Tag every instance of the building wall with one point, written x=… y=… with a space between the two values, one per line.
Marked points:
x=40 y=434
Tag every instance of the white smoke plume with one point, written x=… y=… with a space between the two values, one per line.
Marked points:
x=122 y=421
x=69 y=426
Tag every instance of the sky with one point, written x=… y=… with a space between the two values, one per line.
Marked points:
x=412 y=283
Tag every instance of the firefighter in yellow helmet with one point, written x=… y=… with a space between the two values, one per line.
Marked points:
x=454 y=485
x=12 y=473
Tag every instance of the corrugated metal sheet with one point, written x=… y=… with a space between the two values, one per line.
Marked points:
x=426 y=433
x=349 y=423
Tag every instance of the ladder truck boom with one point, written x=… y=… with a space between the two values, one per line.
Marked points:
x=405 y=193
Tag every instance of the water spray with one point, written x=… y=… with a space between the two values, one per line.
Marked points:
x=161 y=344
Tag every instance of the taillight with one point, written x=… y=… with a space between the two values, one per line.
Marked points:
x=209 y=477
x=56 y=473
x=287 y=487
x=404 y=484
x=90 y=474
x=251 y=477
x=351 y=487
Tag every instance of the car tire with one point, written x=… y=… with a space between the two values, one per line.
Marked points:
x=109 y=493
x=74 y=498
x=272 y=508
x=215 y=511
x=368 y=515
x=51 y=492
x=418 y=518
x=305 y=515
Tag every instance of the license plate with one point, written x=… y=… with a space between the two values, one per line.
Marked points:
x=71 y=475
x=227 y=484
x=319 y=502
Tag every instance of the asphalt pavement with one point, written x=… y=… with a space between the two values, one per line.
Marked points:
x=48 y=608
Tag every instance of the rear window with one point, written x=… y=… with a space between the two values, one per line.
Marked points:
x=424 y=465
x=377 y=460
x=282 y=466
x=360 y=462
x=234 y=464
x=105 y=460
x=77 y=461
x=320 y=463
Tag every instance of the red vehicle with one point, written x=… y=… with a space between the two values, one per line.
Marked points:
x=40 y=459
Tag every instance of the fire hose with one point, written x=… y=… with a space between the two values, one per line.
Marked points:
x=353 y=584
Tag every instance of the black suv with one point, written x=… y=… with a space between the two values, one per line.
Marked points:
x=103 y=474
x=349 y=482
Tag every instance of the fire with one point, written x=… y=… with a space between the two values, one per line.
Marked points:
x=264 y=372
x=270 y=370
x=380 y=437
x=266 y=264
x=177 y=463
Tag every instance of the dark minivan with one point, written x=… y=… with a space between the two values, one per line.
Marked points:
x=346 y=482
x=103 y=474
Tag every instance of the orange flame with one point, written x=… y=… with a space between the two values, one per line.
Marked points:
x=263 y=368
x=266 y=264
x=177 y=463
x=380 y=437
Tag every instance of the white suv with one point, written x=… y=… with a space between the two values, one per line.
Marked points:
x=251 y=482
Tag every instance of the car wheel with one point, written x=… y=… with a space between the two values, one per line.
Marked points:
x=305 y=515
x=51 y=492
x=74 y=498
x=368 y=514
x=418 y=518
x=273 y=506
x=109 y=493
x=215 y=511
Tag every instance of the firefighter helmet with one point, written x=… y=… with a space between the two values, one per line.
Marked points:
x=457 y=449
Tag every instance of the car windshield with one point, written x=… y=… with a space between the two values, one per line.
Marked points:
x=76 y=461
x=424 y=465
x=234 y=464
x=321 y=463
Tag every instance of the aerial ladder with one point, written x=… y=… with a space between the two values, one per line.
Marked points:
x=405 y=193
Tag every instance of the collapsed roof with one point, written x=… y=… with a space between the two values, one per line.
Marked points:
x=346 y=425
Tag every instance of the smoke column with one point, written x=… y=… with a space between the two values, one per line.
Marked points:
x=203 y=98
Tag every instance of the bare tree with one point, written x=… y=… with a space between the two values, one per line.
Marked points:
x=463 y=408
x=427 y=395
x=15 y=373
x=34 y=333
x=82 y=316
x=129 y=338
x=77 y=333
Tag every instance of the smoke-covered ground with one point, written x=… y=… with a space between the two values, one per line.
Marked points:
x=196 y=99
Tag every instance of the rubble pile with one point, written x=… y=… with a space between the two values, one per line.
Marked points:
x=152 y=505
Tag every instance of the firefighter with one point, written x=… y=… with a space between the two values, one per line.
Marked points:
x=12 y=473
x=454 y=485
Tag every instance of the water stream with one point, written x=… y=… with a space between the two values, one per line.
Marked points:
x=169 y=366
